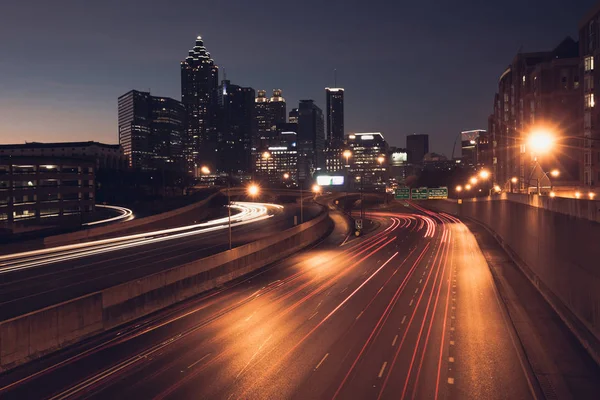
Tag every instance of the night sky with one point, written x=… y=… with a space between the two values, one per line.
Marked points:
x=407 y=67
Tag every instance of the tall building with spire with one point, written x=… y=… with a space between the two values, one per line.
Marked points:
x=199 y=83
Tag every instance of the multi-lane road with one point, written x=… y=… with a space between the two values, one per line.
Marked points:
x=407 y=311
x=35 y=279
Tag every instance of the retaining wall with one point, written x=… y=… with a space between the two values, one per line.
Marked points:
x=556 y=244
x=33 y=335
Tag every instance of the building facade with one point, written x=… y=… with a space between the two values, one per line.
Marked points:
x=334 y=98
x=45 y=190
x=276 y=160
x=151 y=131
x=276 y=110
x=476 y=148
x=311 y=139
x=368 y=162
x=104 y=156
x=199 y=82
x=589 y=63
x=539 y=90
x=235 y=128
x=417 y=146
x=293 y=116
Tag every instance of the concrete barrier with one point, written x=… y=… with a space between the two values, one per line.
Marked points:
x=556 y=248
x=33 y=335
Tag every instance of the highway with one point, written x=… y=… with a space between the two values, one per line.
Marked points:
x=408 y=311
x=35 y=279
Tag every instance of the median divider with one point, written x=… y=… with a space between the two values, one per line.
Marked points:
x=27 y=337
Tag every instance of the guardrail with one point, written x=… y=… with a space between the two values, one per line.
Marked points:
x=38 y=333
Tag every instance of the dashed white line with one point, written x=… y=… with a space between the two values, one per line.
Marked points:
x=451 y=359
x=452 y=343
x=394 y=342
x=382 y=369
x=360 y=314
x=203 y=357
x=451 y=381
x=420 y=280
x=411 y=302
x=416 y=290
x=312 y=316
x=403 y=319
x=321 y=362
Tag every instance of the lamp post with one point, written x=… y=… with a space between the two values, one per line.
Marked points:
x=513 y=181
x=539 y=142
x=253 y=191
x=380 y=160
x=347 y=154
x=555 y=173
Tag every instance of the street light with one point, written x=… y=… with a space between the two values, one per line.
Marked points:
x=347 y=154
x=316 y=189
x=555 y=173
x=205 y=170
x=467 y=187
x=577 y=195
x=473 y=181
x=540 y=142
x=286 y=176
x=459 y=188
x=552 y=194
x=380 y=160
x=497 y=188
x=484 y=174
x=591 y=195
x=253 y=189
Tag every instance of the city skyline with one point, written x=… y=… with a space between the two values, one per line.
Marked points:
x=73 y=97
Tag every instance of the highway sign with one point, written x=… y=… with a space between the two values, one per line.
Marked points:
x=437 y=193
x=402 y=193
x=419 y=194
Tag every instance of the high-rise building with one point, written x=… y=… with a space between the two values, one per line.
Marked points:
x=199 y=82
x=236 y=118
x=366 y=171
x=276 y=160
x=538 y=91
x=335 y=115
x=151 y=130
x=476 y=148
x=311 y=139
x=589 y=51
x=293 y=116
x=417 y=146
x=277 y=112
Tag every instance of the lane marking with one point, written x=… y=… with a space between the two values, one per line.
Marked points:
x=394 y=342
x=416 y=290
x=420 y=280
x=360 y=314
x=451 y=359
x=451 y=381
x=321 y=362
x=403 y=319
x=312 y=316
x=203 y=357
x=452 y=343
x=382 y=369
x=411 y=302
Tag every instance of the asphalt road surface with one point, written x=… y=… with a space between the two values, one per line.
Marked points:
x=30 y=284
x=407 y=311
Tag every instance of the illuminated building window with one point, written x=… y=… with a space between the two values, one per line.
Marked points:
x=589 y=63
x=589 y=100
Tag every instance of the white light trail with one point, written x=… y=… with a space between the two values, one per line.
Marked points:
x=125 y=214
x=249 y=213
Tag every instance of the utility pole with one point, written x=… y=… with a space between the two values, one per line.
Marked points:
x=229 y=208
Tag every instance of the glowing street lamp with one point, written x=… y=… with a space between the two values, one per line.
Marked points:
x=514 y=179
x=205 y=170
x=497 y=188
x=459 y=188
x=473 y=181
x=555 y=173
x=347 y=154
x=484 y=174
x=316 y=189
x=577 y=195
x=552 y=194
x=286 y=176
x=253 y=190
x=266 y=155
x=540 y=142
x=468 y=186
x=591 y=195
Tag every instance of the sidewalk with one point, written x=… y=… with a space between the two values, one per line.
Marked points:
x=561 y=365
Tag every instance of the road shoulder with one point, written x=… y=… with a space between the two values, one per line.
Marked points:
x=560 y=364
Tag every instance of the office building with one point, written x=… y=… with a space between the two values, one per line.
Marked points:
x=368 y=163
x=417 y=146
x=476 y=148
x=589 y=68
x=199 y=82
x=44 y=191
x=311 y=139
x=293 y=116
x=151 y=131
x=276 y=160
x=335 y=115
x=103 y=156
x=235 y=127
x=334 y=157
x=276 y=109
x=538 y=91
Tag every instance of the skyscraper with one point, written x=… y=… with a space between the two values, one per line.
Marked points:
x=199 y=81
x=236 y=118
x=311 y=139
x=261 y=118
x=277 y=109
x=335 y=114
x=151 y=130
x=417 y=146
x=293 y=116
